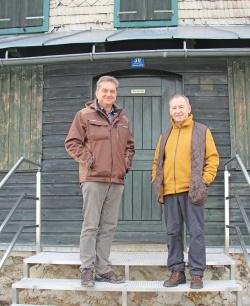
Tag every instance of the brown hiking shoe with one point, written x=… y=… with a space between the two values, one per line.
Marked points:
x=196 y=282
x=175 y=279
x=110 y=277
x=88 y=278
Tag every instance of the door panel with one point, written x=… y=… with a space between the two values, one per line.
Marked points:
x=145 y=99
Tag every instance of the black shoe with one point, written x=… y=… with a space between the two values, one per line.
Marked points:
x=110 y=277
x=175 y=279
x=88 y=278
x=196 y=282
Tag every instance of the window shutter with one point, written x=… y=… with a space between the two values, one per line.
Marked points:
x=21 y=13
x=146 y=10
x=132 y=10
x=9 y=14
x=159 y=10
x=239 y=95
x=32 y=13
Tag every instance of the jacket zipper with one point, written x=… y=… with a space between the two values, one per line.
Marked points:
x=115 y=119
x=110 y=128
x=175 y=159
x=110 y=131
x=118 y=131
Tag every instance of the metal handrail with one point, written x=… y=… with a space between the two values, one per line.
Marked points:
x=19 y=200
x=243 y=168
x=238 y=201
x=13 y=209
x=13 y=169
x=242 y=243
x=12 y=244
x=242 y=210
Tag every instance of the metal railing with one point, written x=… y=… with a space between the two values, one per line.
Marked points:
x=240 y=206
x=16 y=205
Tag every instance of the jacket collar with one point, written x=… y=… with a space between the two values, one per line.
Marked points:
x=186 y=123
x=94 y=105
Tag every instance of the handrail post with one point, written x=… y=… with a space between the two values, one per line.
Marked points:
x=38 y=211
x=226 y=199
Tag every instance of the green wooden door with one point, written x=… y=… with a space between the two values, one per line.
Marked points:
x=145 y=99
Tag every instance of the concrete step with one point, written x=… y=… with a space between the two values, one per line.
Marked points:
x=128 y=286
x=123 y=259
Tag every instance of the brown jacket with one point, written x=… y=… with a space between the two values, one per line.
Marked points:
x=104 y=151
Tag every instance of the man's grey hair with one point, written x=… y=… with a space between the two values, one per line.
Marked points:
x=179 y=96
x=107 y=78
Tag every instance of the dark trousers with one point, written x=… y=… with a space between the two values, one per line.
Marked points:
x=179 y=209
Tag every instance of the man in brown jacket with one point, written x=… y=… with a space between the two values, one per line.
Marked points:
x=185 y=163
x=100 y=140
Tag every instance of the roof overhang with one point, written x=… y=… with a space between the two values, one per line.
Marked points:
x=66 y=40
x=100 y=36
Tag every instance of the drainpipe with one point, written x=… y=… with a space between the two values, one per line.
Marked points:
x=92 y=56
x=185 y=48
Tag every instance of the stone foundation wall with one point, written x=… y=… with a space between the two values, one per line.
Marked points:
x=13 y=271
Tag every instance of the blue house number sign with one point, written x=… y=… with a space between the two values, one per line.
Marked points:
x=137 y=62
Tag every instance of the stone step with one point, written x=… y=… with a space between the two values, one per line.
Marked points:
x=123 y=259
x=128 y=286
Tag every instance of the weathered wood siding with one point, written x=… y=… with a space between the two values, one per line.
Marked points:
x=66 y=89
x=21 y=90
x=239 y=103
x=25 y=214
x=239 y=94
x=207 y=90
x=20 y=115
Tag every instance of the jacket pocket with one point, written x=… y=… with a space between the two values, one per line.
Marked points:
x=98 y=130
x=198 y=192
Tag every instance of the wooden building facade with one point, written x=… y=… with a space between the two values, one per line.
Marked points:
x=41 y=101
x=46 y=78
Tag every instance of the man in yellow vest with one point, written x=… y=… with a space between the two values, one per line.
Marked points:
x=185 y=163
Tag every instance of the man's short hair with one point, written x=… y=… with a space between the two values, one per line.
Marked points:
x=107 y=78
x=179 y=96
